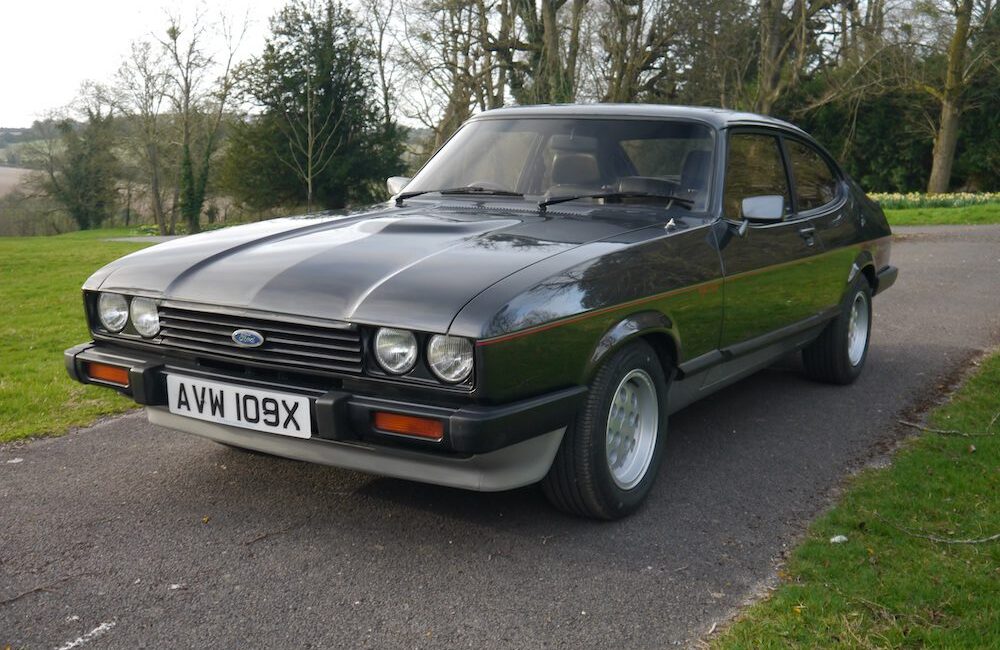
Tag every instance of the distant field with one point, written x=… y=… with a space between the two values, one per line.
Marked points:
x=10 y=177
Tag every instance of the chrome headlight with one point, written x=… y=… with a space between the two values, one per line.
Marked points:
x=395 y=350
x=450 y=357
x=145 y=317
x=112 y=309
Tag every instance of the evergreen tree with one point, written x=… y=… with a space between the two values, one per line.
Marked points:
x=320 y=137
x=82 y=177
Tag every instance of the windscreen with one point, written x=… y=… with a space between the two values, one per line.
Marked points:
x=545 y=157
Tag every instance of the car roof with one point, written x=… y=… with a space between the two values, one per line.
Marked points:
x=717 y=117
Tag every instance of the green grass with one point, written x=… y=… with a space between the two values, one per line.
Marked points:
x=967 y=215
x=886 y=586
x=41 y=314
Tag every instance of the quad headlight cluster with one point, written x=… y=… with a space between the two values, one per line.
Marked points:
x=397 y=351
x=449 y=357
x=114 y=310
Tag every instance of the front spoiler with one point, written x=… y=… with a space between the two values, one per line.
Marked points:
x=485 y=446
x=511 y=467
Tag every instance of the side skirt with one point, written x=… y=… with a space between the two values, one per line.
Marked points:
x=715 y=370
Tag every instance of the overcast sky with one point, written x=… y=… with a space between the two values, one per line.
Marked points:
x=48 y=48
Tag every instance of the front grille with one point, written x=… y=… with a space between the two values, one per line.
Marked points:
x=327 y=348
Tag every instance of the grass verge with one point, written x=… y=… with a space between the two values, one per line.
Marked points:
x=890 y=584
x=967 y=215
x=41 y=315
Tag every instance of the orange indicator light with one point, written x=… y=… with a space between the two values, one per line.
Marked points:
x=104 y=372
x=409 y=425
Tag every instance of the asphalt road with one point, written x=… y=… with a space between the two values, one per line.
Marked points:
x=125 y=536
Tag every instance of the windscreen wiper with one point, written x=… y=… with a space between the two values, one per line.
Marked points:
x=671 y=200
x=468 y=190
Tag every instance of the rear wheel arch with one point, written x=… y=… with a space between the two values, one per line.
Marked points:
x=830 y=358
x=869 y=272
x=865 y=264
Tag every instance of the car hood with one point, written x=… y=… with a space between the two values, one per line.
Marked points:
x=411 y=267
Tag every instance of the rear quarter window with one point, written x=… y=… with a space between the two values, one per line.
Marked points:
x=815 y=181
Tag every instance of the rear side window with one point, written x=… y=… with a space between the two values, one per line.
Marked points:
x=815 y=182
x=753 y=168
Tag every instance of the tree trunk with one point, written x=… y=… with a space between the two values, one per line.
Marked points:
x=944 y=149
x=172 y=229
x=951 y=102
x=551 y=55
x=769 y=65
x=156 y=196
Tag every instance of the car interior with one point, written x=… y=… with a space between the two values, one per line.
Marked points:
x=563 y=158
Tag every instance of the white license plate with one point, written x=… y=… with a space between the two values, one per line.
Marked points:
x=263 y=410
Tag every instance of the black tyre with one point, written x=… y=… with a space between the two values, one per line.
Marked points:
x=839 y=354
x=610 y=455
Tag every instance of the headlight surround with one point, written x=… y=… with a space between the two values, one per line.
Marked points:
x=112 y=310
x=145 y=317
x=395 y=350
x=450 y=358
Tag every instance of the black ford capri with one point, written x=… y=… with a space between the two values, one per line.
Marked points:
x=530 y=307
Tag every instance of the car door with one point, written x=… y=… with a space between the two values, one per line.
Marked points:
x=770 y=272
x=819 y=197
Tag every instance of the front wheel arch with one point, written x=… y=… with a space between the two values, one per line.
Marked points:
x=653 y=327
x=584 y=478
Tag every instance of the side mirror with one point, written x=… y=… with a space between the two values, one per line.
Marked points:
x=767 y=208
x=396 y=184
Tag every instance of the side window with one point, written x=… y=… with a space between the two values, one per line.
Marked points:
x=815 y=182
x=753 y=168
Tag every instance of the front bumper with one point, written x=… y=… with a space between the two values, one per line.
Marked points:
x=485 y=447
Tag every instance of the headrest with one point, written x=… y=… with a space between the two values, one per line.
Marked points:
x=696 y=171
x=575 y=169
x=564 y=142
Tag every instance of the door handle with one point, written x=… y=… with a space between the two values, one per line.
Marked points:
x=808 y=233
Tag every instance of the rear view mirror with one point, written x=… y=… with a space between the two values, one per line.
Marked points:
x=396 y=184
x=769 y=207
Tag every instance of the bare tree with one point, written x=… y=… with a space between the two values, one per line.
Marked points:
x=635 y=37
x=439 y=47
x=199 y=101
x=379 y=17
x=788 y=37
x=174 y=93
x=462 y=55
x=141 y=95
x=551 y=48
